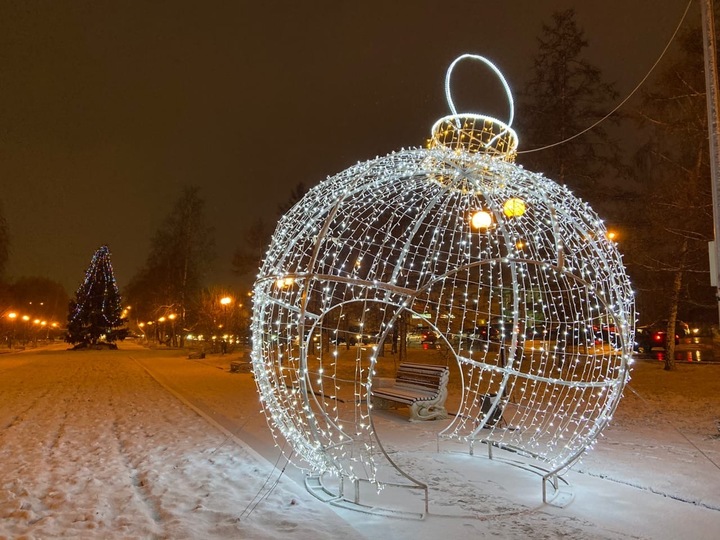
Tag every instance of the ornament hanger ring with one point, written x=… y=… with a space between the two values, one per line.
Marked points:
x=487 y=62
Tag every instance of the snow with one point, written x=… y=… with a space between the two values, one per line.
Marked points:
x=140 y=443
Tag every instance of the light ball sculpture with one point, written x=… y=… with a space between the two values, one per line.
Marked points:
x=532 y=304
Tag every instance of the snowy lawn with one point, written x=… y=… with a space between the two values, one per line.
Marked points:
x=149 y=444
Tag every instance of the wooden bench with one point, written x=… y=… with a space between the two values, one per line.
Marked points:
x=421 y=386
x=240 y=366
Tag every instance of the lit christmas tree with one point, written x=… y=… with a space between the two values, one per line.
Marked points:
x=96 y=311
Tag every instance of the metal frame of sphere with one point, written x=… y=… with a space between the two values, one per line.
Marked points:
x=530 y=302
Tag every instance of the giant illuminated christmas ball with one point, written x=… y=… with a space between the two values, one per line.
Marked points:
x=528 y=298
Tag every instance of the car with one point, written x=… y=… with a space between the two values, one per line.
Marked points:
x=498 y=329
x=607 y=333
x=428 y=337
x=650 y=336
x=354 y=337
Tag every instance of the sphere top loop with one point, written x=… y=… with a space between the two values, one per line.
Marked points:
x=497 y=72
x=476 y=133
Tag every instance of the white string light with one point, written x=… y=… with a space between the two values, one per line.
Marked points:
x=534 y=307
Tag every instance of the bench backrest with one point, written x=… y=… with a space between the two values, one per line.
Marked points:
x=422 y=376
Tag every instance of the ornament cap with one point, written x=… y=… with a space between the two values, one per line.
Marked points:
x=476 y=133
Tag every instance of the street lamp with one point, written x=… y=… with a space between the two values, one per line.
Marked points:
x=225 y=302
x=172 y=328
x=12 y=316
x=26 y=318
x=149 y=330
x=36 y=322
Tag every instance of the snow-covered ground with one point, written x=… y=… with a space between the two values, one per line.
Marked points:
x=138 y=443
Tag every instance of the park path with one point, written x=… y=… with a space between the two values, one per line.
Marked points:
x=92 y=446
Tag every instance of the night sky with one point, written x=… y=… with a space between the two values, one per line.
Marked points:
x=108 y=109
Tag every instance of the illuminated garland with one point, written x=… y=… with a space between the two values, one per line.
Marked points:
x=513 y=272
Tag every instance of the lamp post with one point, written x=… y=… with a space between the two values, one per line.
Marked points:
x=225 y=302
x=161 y=339
x=12 y=316
x=173 y=341
x=36 y=331
x=26 y=318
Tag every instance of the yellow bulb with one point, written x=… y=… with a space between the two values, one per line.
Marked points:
x=514 y=207
x=481 y=220
x=284 y=282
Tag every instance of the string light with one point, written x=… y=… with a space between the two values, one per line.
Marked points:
x=530 y=299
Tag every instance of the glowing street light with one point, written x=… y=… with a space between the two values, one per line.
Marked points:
x=12 y=316
x=225 y=302
x=172 y=318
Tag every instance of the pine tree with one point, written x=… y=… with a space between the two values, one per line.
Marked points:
x=96 y=311
x=565 y=95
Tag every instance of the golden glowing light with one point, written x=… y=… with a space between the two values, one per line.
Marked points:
x=284 y=282
x=481 y=220
x=514 y=207
x=225 y=300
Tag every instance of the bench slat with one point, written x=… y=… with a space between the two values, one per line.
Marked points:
x=397 y=394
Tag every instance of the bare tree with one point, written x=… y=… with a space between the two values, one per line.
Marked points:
x=256 y=239
x=674 y=165
x=297 y=193
x=249 y=254
x=181 y=253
